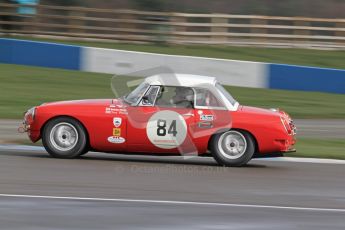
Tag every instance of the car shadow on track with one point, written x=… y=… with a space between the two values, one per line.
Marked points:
x=197 y=161
x=139 y=159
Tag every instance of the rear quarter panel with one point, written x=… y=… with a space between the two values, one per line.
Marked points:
x=265 y=129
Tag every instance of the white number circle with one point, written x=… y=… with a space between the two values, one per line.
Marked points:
x=166 y=129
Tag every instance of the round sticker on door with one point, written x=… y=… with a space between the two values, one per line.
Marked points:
x=166 y=129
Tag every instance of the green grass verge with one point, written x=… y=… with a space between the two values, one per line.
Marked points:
x=298 y=104
x=308 y=57
x=22 y=87
x=320 y=148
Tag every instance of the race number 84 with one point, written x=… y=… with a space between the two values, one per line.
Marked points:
x=162 y=125
x=166 y=129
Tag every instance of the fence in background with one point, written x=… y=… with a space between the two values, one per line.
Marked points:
x=229 y=72
x=174 y=28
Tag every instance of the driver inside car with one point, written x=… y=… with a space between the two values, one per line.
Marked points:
x=180 y=97
x=183 y=97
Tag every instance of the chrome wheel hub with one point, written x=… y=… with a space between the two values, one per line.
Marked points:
x=232 y=145
x=64 y=136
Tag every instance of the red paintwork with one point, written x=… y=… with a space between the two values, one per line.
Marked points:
x=265 y=125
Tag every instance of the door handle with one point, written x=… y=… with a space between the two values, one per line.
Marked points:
x=188 y=114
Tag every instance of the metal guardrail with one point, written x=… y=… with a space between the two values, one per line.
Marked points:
x=173 y=28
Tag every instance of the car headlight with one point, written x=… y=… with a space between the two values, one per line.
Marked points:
x=32 y=112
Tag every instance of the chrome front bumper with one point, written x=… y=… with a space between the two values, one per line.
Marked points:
x=23 y=128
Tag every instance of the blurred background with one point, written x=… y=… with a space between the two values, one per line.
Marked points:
x=306 y=8
x=291 y=23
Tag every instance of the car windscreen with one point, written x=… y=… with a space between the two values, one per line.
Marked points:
x=137 y=93
x=226 y=94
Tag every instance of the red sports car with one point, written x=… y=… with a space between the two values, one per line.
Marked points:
x=184 y=114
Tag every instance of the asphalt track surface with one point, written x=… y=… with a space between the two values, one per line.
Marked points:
x=104 y=191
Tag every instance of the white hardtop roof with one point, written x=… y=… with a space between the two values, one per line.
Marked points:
x=173 y=79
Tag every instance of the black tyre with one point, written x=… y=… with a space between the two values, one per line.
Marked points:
x=64 y=137
x=84 y=152
x=232 y=148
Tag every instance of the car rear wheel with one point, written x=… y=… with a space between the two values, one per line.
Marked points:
x=84 y=152
x=232 y=148
x=64 y=137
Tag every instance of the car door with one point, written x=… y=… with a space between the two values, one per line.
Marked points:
x=211 y=116
x=162 y=121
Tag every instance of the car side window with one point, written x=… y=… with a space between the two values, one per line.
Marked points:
x=205 y=98
x=175 y=96
x=150 y=96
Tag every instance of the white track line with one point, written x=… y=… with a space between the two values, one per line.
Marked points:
x=176 y=202
x=21 y=147
x=303 y=160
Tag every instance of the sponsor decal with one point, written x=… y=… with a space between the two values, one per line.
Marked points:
x=116 y=103
x=110 y=110
x=166 y=129
x=113 y=110
x=120 y=111
x=117 y=121
x=165 y=141
x=205 y=124
x=123 y=111
x=116 y=140
x=204 y=117
x=116 y=132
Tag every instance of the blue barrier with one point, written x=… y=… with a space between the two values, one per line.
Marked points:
x=303 y=78
x=275 y=76
x=43 y=54
x=6 y=46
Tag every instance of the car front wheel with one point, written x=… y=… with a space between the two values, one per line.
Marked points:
x=232 y=148
x=64 y=138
